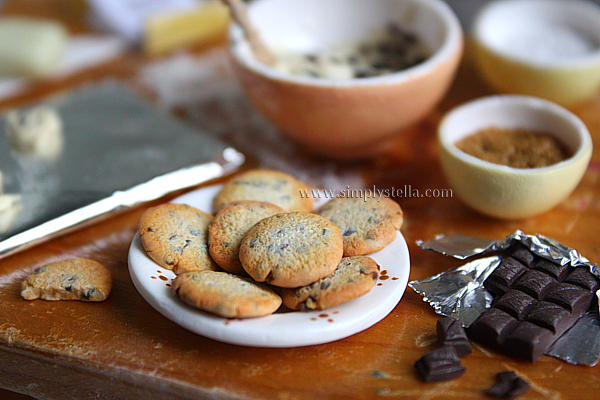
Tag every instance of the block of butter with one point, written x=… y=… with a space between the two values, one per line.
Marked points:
x=167 y=31
x=30 y=47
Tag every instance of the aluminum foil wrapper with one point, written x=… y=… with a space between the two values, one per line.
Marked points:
x=459 y=293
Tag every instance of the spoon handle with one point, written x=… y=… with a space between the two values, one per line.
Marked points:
x=239 y=14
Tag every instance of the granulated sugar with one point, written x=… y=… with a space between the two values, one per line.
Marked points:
x=545 y=43
x=204 y=88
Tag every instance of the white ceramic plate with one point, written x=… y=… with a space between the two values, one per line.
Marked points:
x=284 y=328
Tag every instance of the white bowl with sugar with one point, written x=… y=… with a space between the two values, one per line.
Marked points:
x=543 y=48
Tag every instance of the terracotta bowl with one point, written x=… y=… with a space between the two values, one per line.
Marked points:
x=353 y=118
x=505 y=192
x=542 y=48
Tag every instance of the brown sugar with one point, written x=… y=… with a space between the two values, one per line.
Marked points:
x=517 y=148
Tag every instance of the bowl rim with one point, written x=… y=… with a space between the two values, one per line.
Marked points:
x=530 y=103
x=479 y=26
x=452 y=43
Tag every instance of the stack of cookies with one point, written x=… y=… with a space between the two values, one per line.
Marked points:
x=265 y=246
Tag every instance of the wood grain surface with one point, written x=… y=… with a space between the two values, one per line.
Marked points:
x=123 y=349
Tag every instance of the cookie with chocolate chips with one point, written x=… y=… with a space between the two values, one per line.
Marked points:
x=291 y=249
x=225 y=294
x=353 y=277
x=271 y=186
x=226 y=231
x=367 y=224
x=175 y=236
x=72 y=279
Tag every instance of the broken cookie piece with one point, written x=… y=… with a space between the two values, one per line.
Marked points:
x=72 y=279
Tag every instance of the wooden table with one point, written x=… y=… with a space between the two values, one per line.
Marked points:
x=124 y=349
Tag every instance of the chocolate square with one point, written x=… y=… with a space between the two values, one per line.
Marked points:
x=522 y=254
x=441 y=364
x=528 y=341
x=451 y=333
x=516 y=303
x=491 y=327
x=508 y=385
x=535 y=283
x=559 y=272
x=504 y=276
x=581 y=276
x=550 y=316
x=574 y=298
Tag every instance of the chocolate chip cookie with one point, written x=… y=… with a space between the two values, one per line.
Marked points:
x=367 y=224
x=72 y=279
x=175 y=236
x=354 y=277
x=229 y=226
x=225 y=294
x=271 y=186
x=291 y=250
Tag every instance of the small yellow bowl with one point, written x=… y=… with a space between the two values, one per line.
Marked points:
x=543 y=48
x=505 y=192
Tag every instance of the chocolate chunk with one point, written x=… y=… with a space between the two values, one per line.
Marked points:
x=508 y=385
x=516 y=303
x=550 y=316
x=441 y=364
x=451 y=333
x=574 y=298
x=522 y=254
x=492 y=327
x=555 y=270
x=535 y=283
x=582 y=276
x=504 y=276
x=528 y=341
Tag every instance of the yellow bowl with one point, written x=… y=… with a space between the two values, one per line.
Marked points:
x=352 y=118
x=543 y=48
x=501 y=191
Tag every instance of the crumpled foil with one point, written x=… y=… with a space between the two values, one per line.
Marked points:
x=459 y=293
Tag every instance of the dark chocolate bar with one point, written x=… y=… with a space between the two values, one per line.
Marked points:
x=451 y=333
x=536 y=301
x=441 y=364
